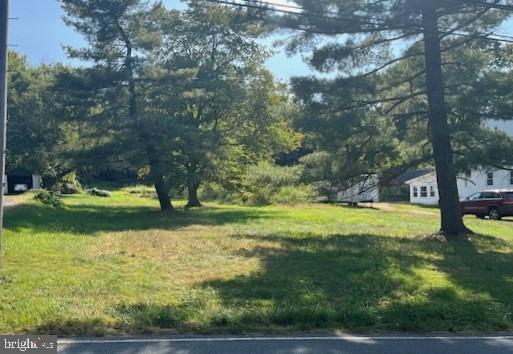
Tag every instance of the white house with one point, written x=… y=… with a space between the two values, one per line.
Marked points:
x=424 y=189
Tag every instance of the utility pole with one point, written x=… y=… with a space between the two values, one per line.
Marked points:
x=4 y=26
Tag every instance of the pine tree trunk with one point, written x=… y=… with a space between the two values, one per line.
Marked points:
x=192 y=188
x=163 y=195
x=452 y=225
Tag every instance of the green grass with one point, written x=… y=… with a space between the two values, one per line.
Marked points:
x=116 y=265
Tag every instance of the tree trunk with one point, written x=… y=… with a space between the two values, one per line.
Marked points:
x=192 y=188
x=452 y=225
x=163 y=195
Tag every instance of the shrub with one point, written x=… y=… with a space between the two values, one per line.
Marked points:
x=99 y=193
x=214 y=191
x=271 y=184
x=48 y=198
x=69 y=188
x=69 y=184
x=294 y=194
x=141 y=191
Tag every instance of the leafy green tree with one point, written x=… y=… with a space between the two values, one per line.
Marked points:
x=171 y=92
x=224 y=98
x=37 y=138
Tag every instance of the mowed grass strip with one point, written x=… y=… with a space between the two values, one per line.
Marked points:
x=116 y=265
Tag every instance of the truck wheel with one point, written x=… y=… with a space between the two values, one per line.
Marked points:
x=494 y=214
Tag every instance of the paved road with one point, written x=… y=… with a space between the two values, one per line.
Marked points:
x=293 y=345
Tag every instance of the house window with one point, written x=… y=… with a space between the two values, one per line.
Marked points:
x=432 y=191
x=423 y=192
x=489 y=179
x=415 y=192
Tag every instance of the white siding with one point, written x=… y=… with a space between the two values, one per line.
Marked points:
x=477 y=181
x=427 y=183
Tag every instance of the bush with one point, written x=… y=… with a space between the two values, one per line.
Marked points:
x=49 y=198
x=272 y=184
x=214 y=191
x=294 y=195
x=141 y=191
x=99 y=193
x=69 y=184
x=69 y=188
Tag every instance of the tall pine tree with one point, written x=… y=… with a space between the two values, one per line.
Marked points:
x=361 y=39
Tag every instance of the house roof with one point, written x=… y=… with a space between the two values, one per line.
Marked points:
x=420 y=175
x=409 y=175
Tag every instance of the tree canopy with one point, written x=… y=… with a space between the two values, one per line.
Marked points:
x=182 y=98
x=174 y=92
x=400 y=60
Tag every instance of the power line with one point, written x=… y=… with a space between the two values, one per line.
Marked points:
x=485 y=4
x=381 y=22
x=267 y=6
x=295 y=7
x=447 y=29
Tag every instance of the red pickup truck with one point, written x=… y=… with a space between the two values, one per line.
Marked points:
x=494 y=203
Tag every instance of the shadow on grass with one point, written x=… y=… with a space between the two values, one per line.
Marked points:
x=370 y=282
x=359 y=283
x=91 y=219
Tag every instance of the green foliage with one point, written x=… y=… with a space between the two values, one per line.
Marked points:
x=296 y=194
x=318 y=170
x=39 y=137
x=270 y=184
x=174 y=94
x=69 y=184
x=215 y=192
x=69 y=188
x=71 y=178
x=48 y=198
x=140 y=191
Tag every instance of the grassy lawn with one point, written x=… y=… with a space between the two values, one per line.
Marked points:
x=104 y=266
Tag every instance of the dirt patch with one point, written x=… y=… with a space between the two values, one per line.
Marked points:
x=383 y=206
x=400 y=208
x=11 y=201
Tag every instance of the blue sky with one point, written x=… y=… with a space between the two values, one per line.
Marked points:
x=40 y=33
